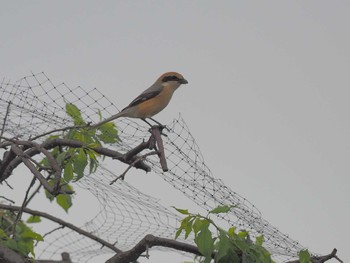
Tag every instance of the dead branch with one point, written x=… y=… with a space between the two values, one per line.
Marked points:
x=140 y=158
x=65 y=259
x=322 y=259
x=5 y=119
x=150 y=241
x=156 y=132
x=62 y=223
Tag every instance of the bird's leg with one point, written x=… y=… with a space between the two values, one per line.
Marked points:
x=159 y=124
x=146 y=122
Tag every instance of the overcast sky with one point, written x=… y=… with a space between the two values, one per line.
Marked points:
x=268 y=87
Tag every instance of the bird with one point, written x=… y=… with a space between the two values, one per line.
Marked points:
x=152 y=100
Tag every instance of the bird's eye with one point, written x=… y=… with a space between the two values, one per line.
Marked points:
x=170 y=78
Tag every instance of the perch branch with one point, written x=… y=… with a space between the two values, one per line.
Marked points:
x=156 y=132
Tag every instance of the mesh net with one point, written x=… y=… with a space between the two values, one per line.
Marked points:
x=125 y=214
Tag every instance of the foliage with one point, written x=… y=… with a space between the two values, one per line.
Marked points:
x=21 y=239
x=74 y=161
x=225 y=246
x=304 y=256
x=221 y=245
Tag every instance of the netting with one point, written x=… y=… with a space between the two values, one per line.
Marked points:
x=125 y=214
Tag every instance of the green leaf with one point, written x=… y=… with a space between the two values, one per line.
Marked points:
x=243 y=234
x=109 y=133
x=204 y=241
x=32 y=235
x=178 y=232
x=3 y=234
x=48 y=195
x=199 y=224
x=231 y=231
x=80 y=162
x=304 y=256
x=259 y=240
x=68 y=172
x=188 y=228
x=225 y=249
x=10 y=243
x=74 y=113
x=34 y=219
x=64 y=201
x=221 y=209
x=182 y=211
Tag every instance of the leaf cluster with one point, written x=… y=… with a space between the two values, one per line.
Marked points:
x=223 y=246
x=21 y=239
x=75 y=161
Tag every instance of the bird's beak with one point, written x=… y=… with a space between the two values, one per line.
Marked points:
x=183 y=81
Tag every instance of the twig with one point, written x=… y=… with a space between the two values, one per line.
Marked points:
x=62 y=223
x=5 y=118
x=36 y=173
x=59 y=130
x=50 y=232
x=36 y=191
x=8 y=185
x=140 y=158
x=20 y=211
x=3 y=197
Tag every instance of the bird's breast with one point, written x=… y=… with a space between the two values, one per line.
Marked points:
x=156 y=104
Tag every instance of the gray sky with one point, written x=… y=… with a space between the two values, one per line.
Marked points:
x=268 y=87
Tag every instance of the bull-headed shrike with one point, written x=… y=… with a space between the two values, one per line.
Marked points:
x=152 y=100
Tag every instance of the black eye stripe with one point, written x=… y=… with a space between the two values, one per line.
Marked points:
x=170 y=78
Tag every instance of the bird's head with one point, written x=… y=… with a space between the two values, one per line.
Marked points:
x=172 y=78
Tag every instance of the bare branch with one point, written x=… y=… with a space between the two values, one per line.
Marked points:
x=156 y=132
x=34 y=171
x=140 y=158
x=62 y=223
x=20 y=212
x=5 y=119
x=3 y=197
x=59 y=130
x=148 y=242
x=322 y=259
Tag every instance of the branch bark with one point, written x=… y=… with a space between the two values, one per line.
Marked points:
x=146 y=243
x=9 y=256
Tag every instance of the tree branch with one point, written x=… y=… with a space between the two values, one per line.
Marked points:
x=150 y=241
x=11 y=160
x=5 y=119
x=321 y=259
x=62 y=223
x=8 y=255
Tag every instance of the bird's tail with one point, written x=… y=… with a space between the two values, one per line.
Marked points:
x=116 y=116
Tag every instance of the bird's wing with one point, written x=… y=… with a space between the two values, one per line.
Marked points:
x=143 y=97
